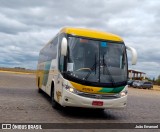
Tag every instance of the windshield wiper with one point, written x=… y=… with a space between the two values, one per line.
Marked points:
x=106 y=67
x=94 y=66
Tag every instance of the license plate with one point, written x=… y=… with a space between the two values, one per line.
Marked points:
x=97 y=103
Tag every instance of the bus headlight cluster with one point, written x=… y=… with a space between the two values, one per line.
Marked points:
x=123 y=93
x=70 y=89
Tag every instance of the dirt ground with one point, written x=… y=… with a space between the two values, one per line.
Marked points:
x=20 y=102
x=156 y=87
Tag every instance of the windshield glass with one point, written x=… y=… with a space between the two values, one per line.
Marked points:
x=96 y=61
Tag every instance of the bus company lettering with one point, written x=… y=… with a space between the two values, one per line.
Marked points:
x=87 y=89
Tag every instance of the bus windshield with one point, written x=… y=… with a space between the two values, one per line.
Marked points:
x=96 y=61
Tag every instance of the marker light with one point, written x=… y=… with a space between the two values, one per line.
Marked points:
x=123 y=93
x=71 y=90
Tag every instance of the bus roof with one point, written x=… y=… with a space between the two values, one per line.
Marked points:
x=91 y=33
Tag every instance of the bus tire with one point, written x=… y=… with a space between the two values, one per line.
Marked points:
x=100 y=109
x=39 y=89
x=55 y=105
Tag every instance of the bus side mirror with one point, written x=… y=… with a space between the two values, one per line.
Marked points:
x=64 y=47
x=134 y=54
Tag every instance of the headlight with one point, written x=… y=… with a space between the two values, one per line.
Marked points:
x=123 y=93
x=70 y=89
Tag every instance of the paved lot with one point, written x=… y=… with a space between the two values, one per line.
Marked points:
x=20 y=102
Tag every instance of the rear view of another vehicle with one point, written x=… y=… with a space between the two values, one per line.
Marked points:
x=147 y=85
x=136 y=84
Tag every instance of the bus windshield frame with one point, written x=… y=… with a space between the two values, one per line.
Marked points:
x=96 y=62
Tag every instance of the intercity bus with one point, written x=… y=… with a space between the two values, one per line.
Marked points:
x=85 y=68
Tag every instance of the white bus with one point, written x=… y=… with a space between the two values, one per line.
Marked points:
x=85 y=68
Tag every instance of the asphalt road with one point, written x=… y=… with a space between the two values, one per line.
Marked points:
x=20 y=102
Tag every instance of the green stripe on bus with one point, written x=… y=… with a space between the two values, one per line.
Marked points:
x=112 y=90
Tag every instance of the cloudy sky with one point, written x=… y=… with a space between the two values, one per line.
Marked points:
x=26 y=25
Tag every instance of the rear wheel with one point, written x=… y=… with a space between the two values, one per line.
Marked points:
x=39 y=89
x=149 y=88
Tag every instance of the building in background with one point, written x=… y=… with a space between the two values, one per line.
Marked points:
x=136 y=75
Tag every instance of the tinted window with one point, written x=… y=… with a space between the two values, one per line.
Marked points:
x=53 y=48
x=49 y=52
x=147 y=83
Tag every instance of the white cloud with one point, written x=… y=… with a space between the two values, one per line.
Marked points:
x=26 y=25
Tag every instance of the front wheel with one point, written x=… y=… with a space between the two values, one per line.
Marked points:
x=55 y=105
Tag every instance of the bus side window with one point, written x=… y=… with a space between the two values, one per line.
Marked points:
x=53 y=48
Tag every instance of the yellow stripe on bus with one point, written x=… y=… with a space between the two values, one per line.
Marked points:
x=88 y=89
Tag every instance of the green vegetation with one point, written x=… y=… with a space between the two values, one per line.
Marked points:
x=158 y=80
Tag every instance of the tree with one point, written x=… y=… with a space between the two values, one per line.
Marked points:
x=153 y=79
x=158 y=80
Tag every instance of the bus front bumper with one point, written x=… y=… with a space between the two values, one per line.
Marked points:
x=71 y=99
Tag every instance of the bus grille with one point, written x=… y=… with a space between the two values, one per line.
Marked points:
x=98 y=96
